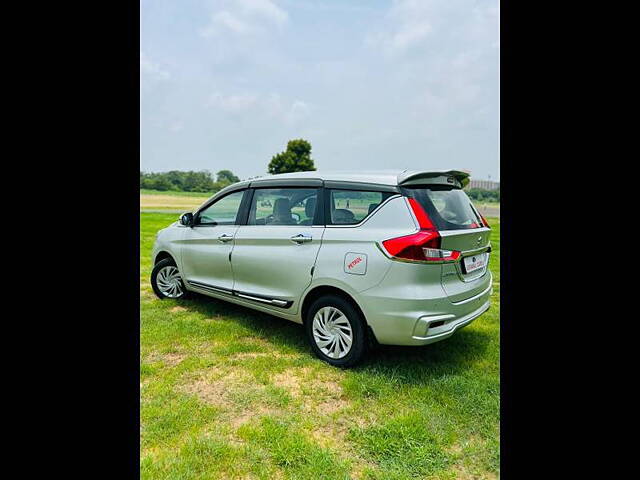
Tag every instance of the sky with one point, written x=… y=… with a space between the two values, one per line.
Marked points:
x=372 y=84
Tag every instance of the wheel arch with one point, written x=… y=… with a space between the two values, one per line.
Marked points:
x=161 y=255
x=321 y=290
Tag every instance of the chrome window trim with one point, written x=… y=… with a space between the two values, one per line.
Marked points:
x=445 y=233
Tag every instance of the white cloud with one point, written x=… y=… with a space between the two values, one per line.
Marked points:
x=265 y=9
x=410 y=34
x=288 y=112
x=408 y=24
x=244 y=17
x=232 y=103
x=226 y=20
x=271 y=105
x=298 y=111
x=446 y=54
x=426 y=90
x=423 y=23
x=152 y=69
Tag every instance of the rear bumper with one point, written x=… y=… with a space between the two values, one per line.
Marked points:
x=435 y=334
x=420 y=316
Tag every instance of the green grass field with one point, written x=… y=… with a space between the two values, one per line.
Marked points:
x=227 y=392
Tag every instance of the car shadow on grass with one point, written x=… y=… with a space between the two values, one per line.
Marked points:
x=411 y=364
x=416 y=365
x=275 y=330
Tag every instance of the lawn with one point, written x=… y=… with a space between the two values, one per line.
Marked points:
x=182 y=201
x=227 y=392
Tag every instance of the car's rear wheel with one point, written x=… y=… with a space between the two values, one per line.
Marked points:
x=336 y=331
x=167 y=281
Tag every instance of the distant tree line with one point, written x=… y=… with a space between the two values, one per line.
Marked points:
x=189 y=181
x=482 y=195
x=296 y=158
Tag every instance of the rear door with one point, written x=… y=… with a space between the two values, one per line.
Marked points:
x=461 y=228
x=275 y=251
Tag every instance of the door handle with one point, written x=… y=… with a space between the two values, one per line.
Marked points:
x=224 y=238
x=301 y=238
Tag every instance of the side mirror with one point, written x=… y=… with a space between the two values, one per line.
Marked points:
x=186 y=219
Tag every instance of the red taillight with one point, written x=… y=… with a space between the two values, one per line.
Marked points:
x=423 y=246
x=423 y=219
x=484 y=220
x=410 y=246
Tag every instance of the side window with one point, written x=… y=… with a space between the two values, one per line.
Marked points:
x=223 y=211
x=283 y=206
x=349 y=207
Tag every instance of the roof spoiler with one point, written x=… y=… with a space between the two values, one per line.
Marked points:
x=414 y=178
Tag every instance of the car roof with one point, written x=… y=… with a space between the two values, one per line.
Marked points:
x=389 y=180
x=381 y=177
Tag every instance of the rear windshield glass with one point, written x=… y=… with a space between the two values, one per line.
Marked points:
x=449 y=209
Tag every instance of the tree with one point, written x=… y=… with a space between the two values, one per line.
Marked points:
x=226 y=176
x=178 y=181
x=159 y=183
x=296 y=158
x=482 y=195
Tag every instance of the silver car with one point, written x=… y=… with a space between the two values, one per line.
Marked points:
x=395 y=258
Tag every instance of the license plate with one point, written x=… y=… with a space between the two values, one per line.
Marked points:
x=475 y=262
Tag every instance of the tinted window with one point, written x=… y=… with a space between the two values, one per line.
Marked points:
x=449 y=209
x=283 y=206
x=222 y=212
x=348 y=207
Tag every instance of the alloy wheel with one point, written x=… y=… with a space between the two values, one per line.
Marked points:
x=169 y=282
x=332 y=332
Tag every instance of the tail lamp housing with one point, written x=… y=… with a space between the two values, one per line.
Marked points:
x=423 y=246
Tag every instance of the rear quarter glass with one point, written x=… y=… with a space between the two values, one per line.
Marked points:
x=349 y=207
x=448 y=208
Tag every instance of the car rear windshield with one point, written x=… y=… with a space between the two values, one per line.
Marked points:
x=449 y=208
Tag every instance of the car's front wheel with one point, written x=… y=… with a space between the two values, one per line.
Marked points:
x=166 y=280
x=336 y=331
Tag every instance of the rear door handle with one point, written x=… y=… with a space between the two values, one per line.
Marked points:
x=301 y=238
x=224 y=238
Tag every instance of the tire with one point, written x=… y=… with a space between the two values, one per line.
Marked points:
x=327 y=317
x=164 y=282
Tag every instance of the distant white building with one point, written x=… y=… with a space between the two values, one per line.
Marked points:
x=484 y=184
